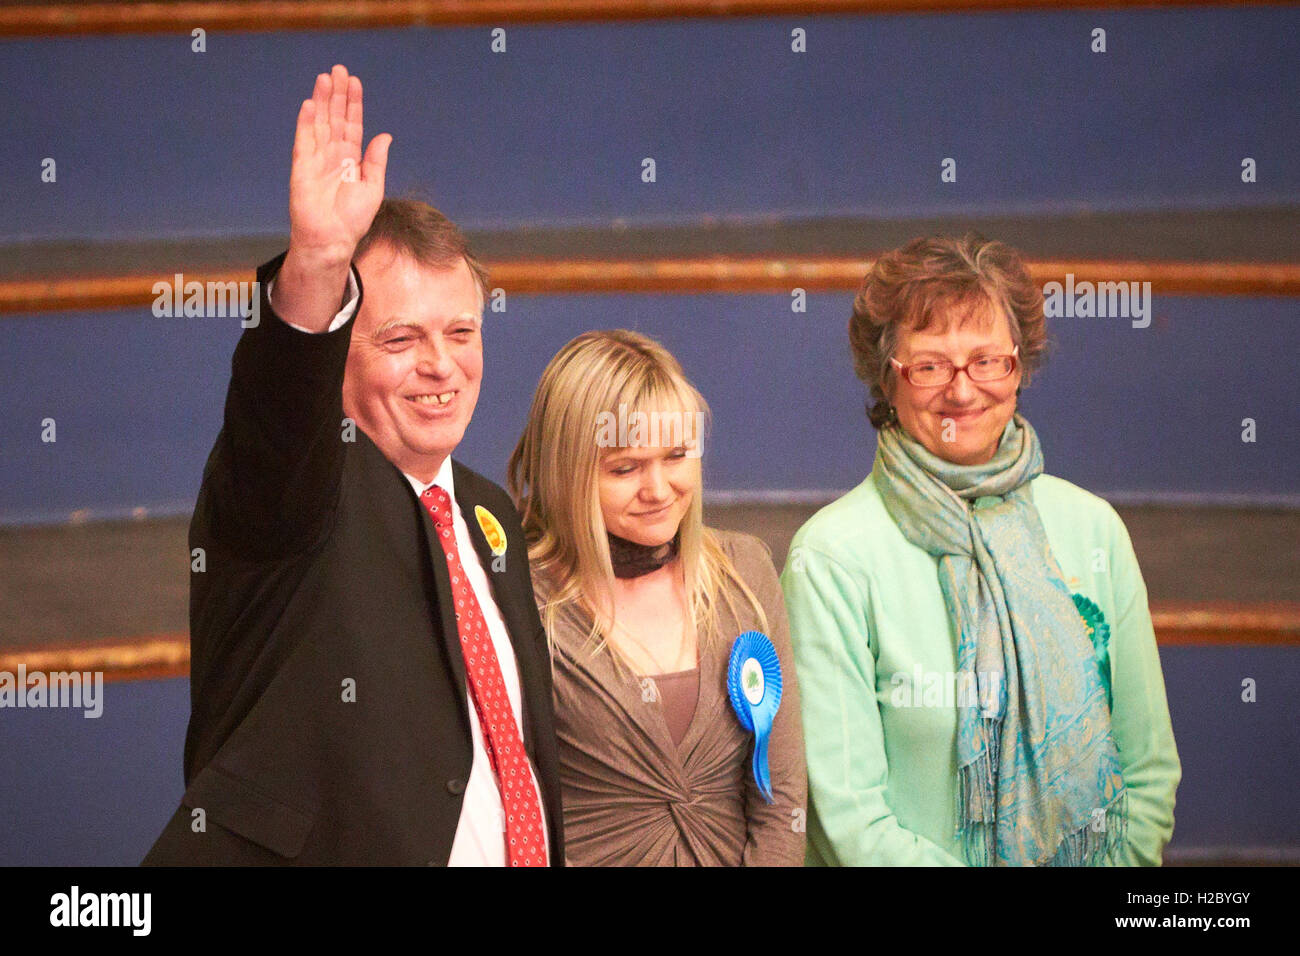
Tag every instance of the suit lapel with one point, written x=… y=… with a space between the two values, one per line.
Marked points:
x=396 y=498
x=446 y=605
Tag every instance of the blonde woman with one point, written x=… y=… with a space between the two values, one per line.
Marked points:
x=643 y=606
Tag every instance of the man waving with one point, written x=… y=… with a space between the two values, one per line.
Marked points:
x=369 y=680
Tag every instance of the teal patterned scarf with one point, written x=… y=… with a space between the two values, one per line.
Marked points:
x=1039 y=772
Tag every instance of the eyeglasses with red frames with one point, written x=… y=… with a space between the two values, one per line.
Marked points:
x=985 y=368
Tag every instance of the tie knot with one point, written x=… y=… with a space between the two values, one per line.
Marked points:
x=438 y=503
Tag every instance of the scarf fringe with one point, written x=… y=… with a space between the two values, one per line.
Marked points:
x=979 y=793
x=1086 y=846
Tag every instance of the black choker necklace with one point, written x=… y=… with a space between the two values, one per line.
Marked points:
x=631 y=560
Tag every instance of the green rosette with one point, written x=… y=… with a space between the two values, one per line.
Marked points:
x=1099 y=633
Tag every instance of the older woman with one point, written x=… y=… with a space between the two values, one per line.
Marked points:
x=643 y=606
x=979 y=671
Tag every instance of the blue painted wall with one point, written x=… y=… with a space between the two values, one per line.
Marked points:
x=137 y=400
x=154 y=140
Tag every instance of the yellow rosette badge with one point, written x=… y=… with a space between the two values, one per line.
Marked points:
x=492 y=530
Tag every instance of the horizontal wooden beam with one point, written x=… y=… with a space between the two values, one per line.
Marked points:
x=53 y=19
x=1177 y=624
x=1221 y=623
x=151 y=657
x=841 y=274
x=686 y=275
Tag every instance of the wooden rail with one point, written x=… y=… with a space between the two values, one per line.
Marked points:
x=150 y=657
x=686 y=275
x=1221 y=623
x=56 y=19
x=1177 y=624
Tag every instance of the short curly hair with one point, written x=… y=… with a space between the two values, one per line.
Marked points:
x=918 y=284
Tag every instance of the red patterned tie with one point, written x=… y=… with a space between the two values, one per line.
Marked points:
x=525 y=843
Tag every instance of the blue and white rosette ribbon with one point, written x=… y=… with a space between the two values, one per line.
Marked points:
x=754 y=686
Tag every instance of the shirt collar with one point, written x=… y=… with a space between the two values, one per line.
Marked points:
x=443 y=479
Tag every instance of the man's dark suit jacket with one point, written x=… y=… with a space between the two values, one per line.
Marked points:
x=323 y=573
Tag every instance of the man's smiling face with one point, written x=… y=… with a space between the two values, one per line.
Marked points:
x=416 y=358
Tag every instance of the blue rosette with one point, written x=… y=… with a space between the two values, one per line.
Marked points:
x=754 y=686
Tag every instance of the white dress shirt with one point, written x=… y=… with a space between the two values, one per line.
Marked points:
x=480 y=835
x=345 y=313
x=480 y=832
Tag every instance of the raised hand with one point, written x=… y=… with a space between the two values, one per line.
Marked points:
x=334 y=193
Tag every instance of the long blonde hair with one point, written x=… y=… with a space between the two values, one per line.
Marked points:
x=553 y=478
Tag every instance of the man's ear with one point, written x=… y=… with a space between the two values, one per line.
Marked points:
x=348 y=410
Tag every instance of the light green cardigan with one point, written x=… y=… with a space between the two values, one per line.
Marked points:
x=867 y=620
